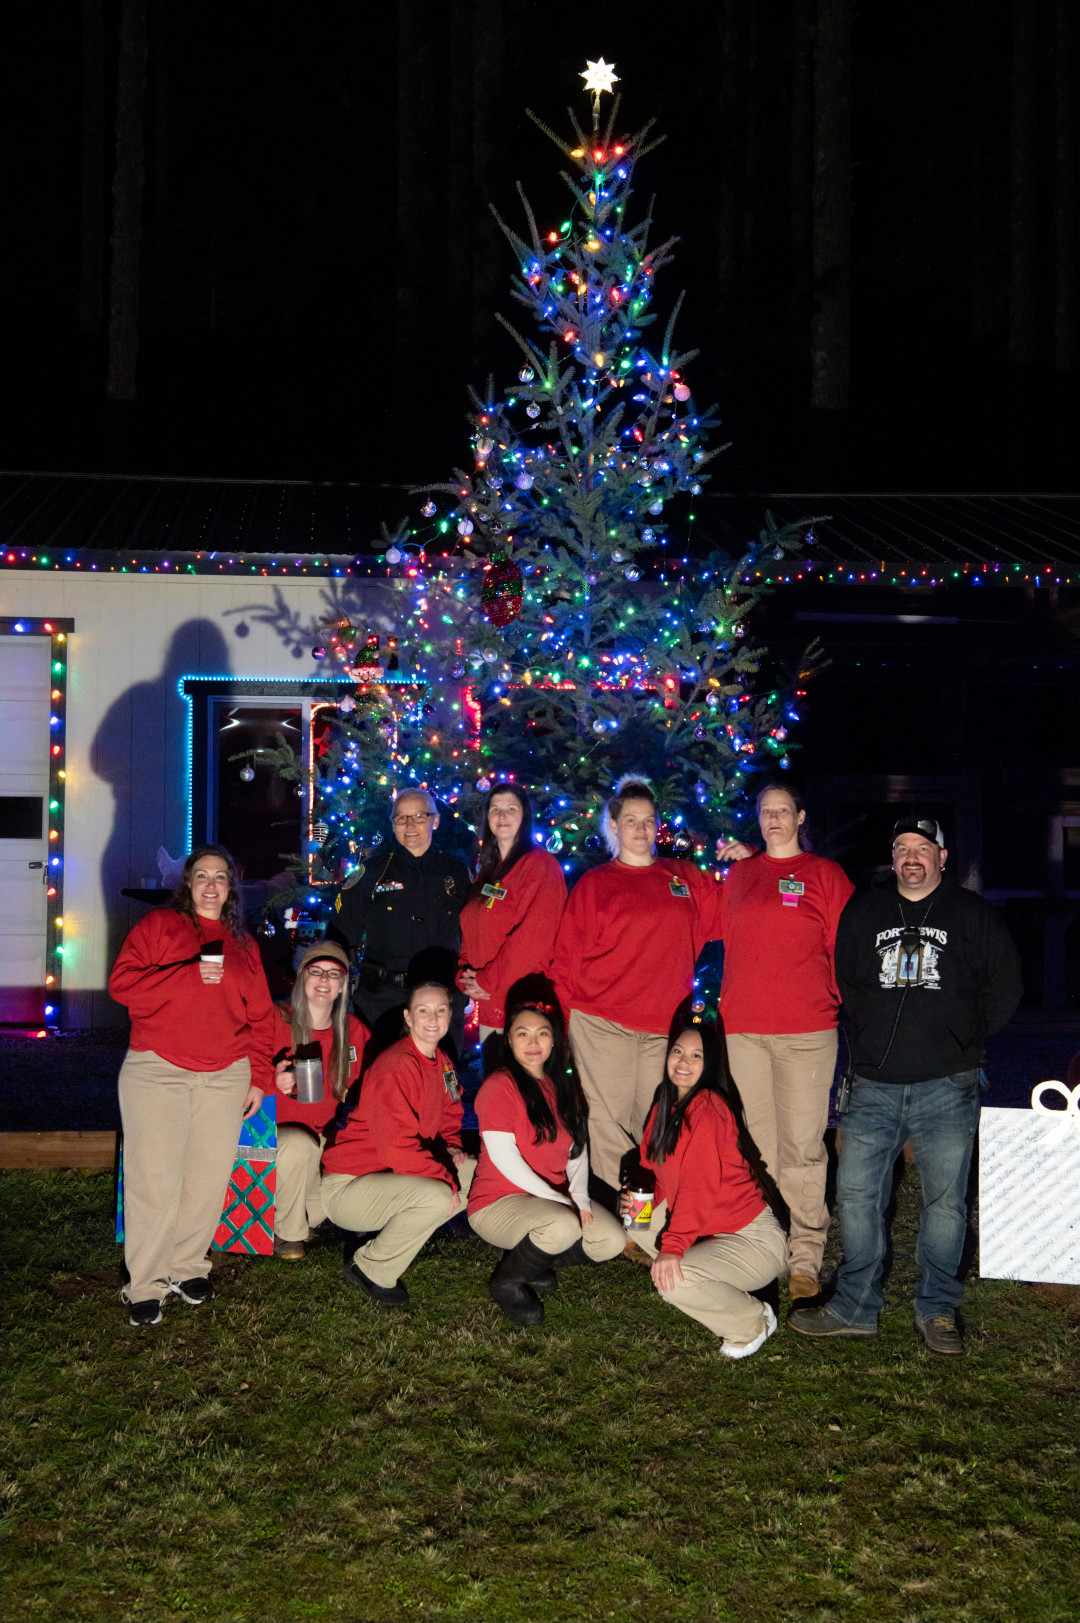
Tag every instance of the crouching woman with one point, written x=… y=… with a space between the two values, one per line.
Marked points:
x=530 y=1195
x=713 y=1234
x=396 y=1165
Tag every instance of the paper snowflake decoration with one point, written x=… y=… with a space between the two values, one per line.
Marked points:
x=599 y=76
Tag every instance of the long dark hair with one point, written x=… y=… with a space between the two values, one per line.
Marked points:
x=232 y=914
x=715 y=1078
x=490 y=867
x=535 y=994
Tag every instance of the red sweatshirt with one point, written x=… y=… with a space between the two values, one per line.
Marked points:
x=708 y=1186
x=779 y=918
x=406 y=1101
x=175 y=1013
x=629 y=940
x=501 y=1109
x=317 y=1116
x=505 y=937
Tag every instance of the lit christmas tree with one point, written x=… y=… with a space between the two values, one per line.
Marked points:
x=569 y=636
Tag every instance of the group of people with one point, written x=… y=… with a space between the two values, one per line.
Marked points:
x=593 y=1048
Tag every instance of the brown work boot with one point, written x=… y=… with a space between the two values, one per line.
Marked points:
x=633 y=1253
x=802 y=1285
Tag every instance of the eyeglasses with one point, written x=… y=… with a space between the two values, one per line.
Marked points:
x=412 y=817
x=334 y=975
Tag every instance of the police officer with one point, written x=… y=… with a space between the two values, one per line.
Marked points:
x=399 y=913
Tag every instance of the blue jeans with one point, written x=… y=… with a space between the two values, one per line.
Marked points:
x=940 y=1117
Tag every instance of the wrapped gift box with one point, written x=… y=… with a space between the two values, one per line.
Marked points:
x=1029 y=1190
x=247 y=1219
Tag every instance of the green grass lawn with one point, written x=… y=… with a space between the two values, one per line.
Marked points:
x=293 y=1453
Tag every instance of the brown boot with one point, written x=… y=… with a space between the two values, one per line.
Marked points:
x=802 y=1285
x=633 y=1253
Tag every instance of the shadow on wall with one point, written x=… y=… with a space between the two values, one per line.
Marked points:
x=141 y=751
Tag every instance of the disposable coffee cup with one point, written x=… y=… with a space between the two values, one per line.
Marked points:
x=639 y=1213
x=212 y=952
x=307 y=1064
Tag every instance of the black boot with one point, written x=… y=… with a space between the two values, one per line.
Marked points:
x=509 y=1286
x=573 y=1257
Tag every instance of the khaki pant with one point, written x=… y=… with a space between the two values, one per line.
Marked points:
x=298 y=1206
x=181 y=1131
x=485 y=1033
x=719 y=1273
x=620 y=1070
x=405 y=1210
x=784 y=1084
x=551 y=1226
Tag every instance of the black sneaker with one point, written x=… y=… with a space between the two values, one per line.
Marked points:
x=193 y=1291
x=381 y=1295
x=940 y=1334
x=141 y=1315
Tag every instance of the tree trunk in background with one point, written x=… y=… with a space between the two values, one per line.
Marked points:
x=1022 y=183
x=128 y=182
x=92 y=209
x=800 y=178
x=415 y=190
x=490 y=253
x=1065 y=198
x=830 y=342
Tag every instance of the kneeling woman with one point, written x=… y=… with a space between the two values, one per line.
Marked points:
x=318 y=1013
x=530 y=1194
x=396 y=1166
x=713 y=1234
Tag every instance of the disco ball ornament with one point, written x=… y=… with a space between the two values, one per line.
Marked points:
x=318 y=653
x=618 y=556
x=428 y=510
x=532 y=411
x=699 y=456
x=502 y=589
x=591 y=577
x=376 y=839
x=699 y=732
x=778 y=554
x=682 y=842
x=457 y=669
x=696 y=489
x=247 y=774
x=698 y=1006
x=526 y=374
x=632 y=572
x=554 y=842
x=648 y=533
x=712 y=700
x=347 y=706
x=483 y=784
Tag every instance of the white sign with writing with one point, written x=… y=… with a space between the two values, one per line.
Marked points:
x=1029 y=1190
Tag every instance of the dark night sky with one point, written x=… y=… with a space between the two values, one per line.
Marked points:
x=319 y=272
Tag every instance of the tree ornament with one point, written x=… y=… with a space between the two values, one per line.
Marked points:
x=778 y=554
x=681 y=392
x=524 y=481
x=712 y=700
x=683 y=843
x=376 y=838
x=247 y=773
x=506 y=673
x=428 y=510
x=554 y=842
x=632 y=572
x=502 y=589
x=532 y=410
x=347 y=705
x=593 y=842
x=656 y=506
x=393 y=556
x=618 y=556
x=489 y=655
x=591 y=577
x=465 y=526
x=483 y=785
x=599 y=726
x=648 y=533
x=318 y=653
x=526 y=374
x=699 y=732
x=457 y=669
x=484 y=448
x=427 y=710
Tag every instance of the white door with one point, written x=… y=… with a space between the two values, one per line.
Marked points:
x=25 y=684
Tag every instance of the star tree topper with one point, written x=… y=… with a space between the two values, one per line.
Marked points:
x=599 y=76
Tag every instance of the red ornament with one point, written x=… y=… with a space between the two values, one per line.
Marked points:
x=502 y=590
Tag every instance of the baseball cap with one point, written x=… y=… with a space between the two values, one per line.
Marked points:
x=928 y=827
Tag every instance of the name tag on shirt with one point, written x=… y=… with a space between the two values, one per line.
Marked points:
x=494 y=893
x=387 y=884
x=451 y=1083
x=352 y=1056
x=790 y=891
x=677 y=888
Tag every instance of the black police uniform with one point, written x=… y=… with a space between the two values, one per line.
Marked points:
x=402 y=911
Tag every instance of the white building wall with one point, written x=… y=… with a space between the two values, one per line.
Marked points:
x=135 y=637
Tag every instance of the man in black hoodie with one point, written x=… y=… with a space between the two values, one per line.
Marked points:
x=926 y=971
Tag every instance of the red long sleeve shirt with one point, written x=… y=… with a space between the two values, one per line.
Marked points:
x=406 y=1103
x=176 y=1014
x=708 y=1186
x=506 y=937
x=629 y=940
x=778 y=917
x=290 y=1109
x=501 y=1109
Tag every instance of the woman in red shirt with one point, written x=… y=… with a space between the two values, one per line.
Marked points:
x=396 y=1166
x=779 y=1004
x=318 y=1013
x=509 y=923
x=199 y=1061
x=713 y=1234
x=624 y=962
x=530 y=1195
